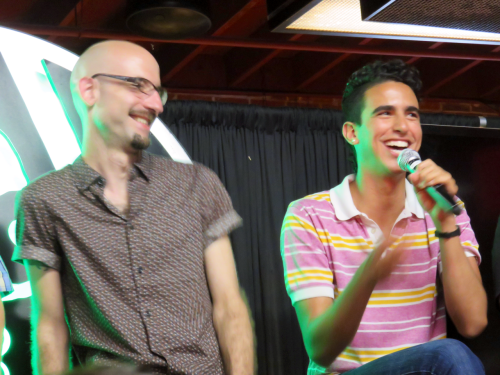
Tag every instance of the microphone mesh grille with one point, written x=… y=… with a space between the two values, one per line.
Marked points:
x=405 y=157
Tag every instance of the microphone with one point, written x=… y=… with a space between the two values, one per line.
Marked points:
x=408 y=160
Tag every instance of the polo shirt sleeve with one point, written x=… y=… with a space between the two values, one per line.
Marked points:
x=218 y=215
x=467 y=236
x=306 y=265
x=35 y=230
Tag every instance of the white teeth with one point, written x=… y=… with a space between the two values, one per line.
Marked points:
x=141 y=120
x=397 y=143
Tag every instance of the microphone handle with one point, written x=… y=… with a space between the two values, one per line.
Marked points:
x=443 y=199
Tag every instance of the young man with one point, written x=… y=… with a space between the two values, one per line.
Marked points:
x=131 y=249
x=367 y=270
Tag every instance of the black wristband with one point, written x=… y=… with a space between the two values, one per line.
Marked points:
x=455 y=233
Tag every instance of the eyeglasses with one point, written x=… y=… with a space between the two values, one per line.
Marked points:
x=142 y=84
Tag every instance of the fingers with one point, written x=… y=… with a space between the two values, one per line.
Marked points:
x=430 y=174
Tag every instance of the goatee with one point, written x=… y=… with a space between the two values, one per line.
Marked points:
x=140 y=143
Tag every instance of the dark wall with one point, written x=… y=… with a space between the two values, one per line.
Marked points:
x=474 y=162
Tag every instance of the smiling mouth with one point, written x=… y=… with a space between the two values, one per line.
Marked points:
x=397 y=146
x=141 y=120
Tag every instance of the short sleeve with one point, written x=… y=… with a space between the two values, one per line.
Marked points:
x=218 y=215
x=306 y=265
x=35 y=231
x=5 y=283
x=467 y=236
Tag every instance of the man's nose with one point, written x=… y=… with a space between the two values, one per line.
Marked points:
x=154 y=103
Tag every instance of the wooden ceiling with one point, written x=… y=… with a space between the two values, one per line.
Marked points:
x=241 y=55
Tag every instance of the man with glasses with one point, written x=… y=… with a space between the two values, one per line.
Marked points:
x=128 y=253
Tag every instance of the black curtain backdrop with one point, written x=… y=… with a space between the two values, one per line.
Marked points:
x=267 y=158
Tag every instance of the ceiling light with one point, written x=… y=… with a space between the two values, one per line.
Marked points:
x=343 y=18
x=169 y=19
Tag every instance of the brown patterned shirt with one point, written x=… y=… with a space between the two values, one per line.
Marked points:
x=134 y=286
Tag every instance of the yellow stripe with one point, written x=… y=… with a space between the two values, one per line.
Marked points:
x=310 y=278
x=305 y=272
x=372 y=353
x=431 y=288
x=401 y=301
x=318 y=197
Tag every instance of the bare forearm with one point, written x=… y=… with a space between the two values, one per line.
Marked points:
x=331 y=332
x=235 y=335
x=465 y=298
x=50 y=348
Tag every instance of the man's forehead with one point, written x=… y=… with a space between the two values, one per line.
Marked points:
x=122 y=59
x=389 y=93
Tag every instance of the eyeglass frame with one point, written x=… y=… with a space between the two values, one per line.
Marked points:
x=162 y=92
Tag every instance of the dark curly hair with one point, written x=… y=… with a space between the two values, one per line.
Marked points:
x=370 y=75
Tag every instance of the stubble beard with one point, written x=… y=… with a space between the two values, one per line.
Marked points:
x=140 y=143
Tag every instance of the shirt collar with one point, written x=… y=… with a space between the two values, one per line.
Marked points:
x=344 y=207
x=86 y=176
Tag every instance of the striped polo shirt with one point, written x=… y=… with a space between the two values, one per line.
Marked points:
x=325 y=239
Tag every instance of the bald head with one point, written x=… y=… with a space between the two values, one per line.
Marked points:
x=113 y=57
x=114 y=110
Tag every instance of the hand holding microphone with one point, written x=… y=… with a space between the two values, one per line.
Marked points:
x=438 y=185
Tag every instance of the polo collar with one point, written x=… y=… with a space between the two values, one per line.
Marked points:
x=344 y=207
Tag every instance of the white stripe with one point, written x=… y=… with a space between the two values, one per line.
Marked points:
x=303 y=252
x=413 y=272
x=399 y=322
x=416 y=264
x=393 y=330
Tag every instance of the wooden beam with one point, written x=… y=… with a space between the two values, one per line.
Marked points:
x=328 y=67
x=253 y=43
x=458 y=73
x=49 y=12
x=220 y=31
x=267 y=57
x=415 y=59
x=90 y=13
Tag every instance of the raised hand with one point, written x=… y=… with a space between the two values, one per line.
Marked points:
x=382 y=261
x=430 y=174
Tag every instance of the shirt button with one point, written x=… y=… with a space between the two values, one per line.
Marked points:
x=148 y=314
x=139 y=270
x=100 y=181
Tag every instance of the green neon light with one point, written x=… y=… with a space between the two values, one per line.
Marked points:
x=6 y=341
x=12 y=231
x=14 y=176
x=52 y=84
x=5 y=369
x=43 y=106
x=22 y=290
x=16 y=154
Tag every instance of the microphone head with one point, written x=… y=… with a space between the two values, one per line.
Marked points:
x=408 y=159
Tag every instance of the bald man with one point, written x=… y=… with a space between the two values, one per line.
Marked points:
x=128 y=253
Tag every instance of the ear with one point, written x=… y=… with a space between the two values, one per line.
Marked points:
x=349 y=132
x=87 y=88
